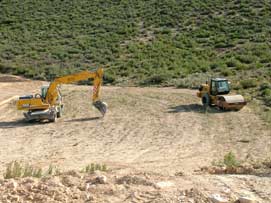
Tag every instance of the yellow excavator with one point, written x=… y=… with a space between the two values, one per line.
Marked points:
x=48 y=105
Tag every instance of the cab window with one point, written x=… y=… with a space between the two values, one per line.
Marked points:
x=223 y=87
x=213 y=88
x=44 y=91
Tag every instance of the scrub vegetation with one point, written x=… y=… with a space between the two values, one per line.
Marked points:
x=165 y=43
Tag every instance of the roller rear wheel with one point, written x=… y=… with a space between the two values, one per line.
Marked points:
x=206 y=100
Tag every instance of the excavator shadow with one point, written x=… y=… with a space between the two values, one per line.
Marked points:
x=84 y=119
x=18 y=123
x=198 y=108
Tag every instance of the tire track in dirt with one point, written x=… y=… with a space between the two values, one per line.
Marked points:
x=154 y=129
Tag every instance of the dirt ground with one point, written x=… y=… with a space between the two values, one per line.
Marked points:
x=161 y=132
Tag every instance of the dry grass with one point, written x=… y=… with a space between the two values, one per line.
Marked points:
x=17 y=169
x=91 y=168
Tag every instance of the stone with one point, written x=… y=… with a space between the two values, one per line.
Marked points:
x=12 y=184
x=69 y=181
x=247 y=200
x=164 y=184
x=101 y=179
x=216 y=198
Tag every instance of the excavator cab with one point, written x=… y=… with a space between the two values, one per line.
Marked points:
x=219 y=86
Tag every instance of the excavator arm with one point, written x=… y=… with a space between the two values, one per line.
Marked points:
x=52 y=92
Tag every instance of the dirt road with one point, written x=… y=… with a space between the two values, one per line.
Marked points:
x=157 y=130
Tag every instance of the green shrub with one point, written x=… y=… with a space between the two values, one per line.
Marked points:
x=247 y=59
x=231 y=62
x=17 y=170
x=249 y=83
x=109 y=78
x=266 y=93
x=91 y=168
x=227 y=72
x=156 y=79
x=182 y=84
x=267 y=100
x=146 y=42
x=265 y=86
x=230 y=160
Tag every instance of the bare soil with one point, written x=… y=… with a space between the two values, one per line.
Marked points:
x=158 y=134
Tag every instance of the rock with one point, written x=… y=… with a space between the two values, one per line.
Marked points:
x=219 y=170
x=216 y=198
x=69 y=181
x=88 y=197
x=54 y=183
x=190 y=200
x=12 y=184
x=73 y=173
x=180 y=173
x=164 y=184
x=28 y=186
x=14 y=198
x=247 y=200
x=27 y=180
x=135 y=180
x=101 y=179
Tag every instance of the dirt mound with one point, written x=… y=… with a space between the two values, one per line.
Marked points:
x=78 y=187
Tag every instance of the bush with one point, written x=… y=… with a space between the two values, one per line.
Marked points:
x=156 y=79
x=109 y=78
x=91 y=168
x=267 y=101
x=182 y=84
x=151 y=37
x=230 y=160
x=17 y=170
x=249 y=83
x=231 y=63
x=227 y=72
x=265 y=86
x=247 y=59
x=266 y=93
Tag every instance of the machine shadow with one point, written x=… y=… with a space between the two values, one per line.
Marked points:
x=18 y=123
x=197 y=108
x=83 y=119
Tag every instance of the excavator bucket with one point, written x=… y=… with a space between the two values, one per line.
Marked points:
x=101 y=106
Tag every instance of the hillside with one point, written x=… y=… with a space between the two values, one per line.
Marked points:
x=176 y=43
x=137 y=39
